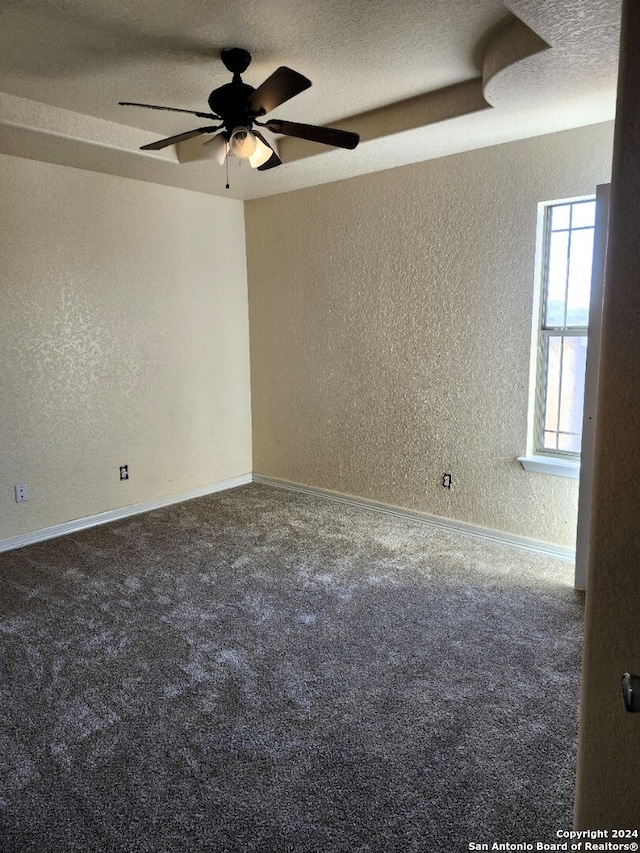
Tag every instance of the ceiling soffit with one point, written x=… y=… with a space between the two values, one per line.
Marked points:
x=513 y=43
x=536 y=45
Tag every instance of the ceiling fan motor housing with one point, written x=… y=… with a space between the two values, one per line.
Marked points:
x=230 y=102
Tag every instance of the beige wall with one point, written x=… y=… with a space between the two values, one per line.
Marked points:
x=123 y=339
x=390 y=320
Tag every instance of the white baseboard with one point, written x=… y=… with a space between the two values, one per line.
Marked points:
x=117 y=514
x=433 y=520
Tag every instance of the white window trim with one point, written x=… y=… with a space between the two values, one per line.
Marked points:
x=554 y=465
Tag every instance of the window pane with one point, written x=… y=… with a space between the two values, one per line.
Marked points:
x=564 y=393
x=583 y=214
x=569 y=443
x=574 y=359
x=579 y=291
x=557 y=278
x=552 y=385
x=560 y=216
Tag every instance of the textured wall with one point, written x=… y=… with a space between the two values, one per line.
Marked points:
x=390 y=321
x=123 y=339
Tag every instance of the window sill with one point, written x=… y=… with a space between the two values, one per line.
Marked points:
x=553 y=465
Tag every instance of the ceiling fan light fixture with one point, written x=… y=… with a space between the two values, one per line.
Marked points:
x=242 y=143
x=217 y=148
x=260 y=155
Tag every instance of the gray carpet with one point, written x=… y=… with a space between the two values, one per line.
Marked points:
x=261 y=670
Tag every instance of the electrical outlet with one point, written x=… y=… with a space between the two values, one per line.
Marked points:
x=446 y=481
x=21 y=493
x=124 y=472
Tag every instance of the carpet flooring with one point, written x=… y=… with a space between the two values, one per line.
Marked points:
x=261 y=670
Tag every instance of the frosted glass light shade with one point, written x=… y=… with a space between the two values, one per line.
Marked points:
x=218 y=148
x=260 y=155
x=243 y=143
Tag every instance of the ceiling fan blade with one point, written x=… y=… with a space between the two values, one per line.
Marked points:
x=170 y=109
x=171 y=140
x=283 y=84
x=273 y=160
x=325 y=135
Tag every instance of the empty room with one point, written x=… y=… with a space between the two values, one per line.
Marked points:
x=318 y=426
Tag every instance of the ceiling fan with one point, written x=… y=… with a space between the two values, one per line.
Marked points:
x=239 y=107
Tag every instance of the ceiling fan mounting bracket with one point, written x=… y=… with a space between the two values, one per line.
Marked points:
x=231 y=100
x=236 y=60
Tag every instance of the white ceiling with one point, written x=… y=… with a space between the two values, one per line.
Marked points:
x=524 y=67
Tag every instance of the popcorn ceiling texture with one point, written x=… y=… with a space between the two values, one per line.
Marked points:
x=582 y=34
x=123 y=340
x=390 y=322
x=388 y=68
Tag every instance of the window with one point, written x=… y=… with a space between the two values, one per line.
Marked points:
x=566 y=236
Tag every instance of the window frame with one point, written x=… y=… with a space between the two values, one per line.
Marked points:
x=540 y=458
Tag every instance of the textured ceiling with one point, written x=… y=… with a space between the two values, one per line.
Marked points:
x=416 y=78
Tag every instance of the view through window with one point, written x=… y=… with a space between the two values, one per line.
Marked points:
x=562 y=346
